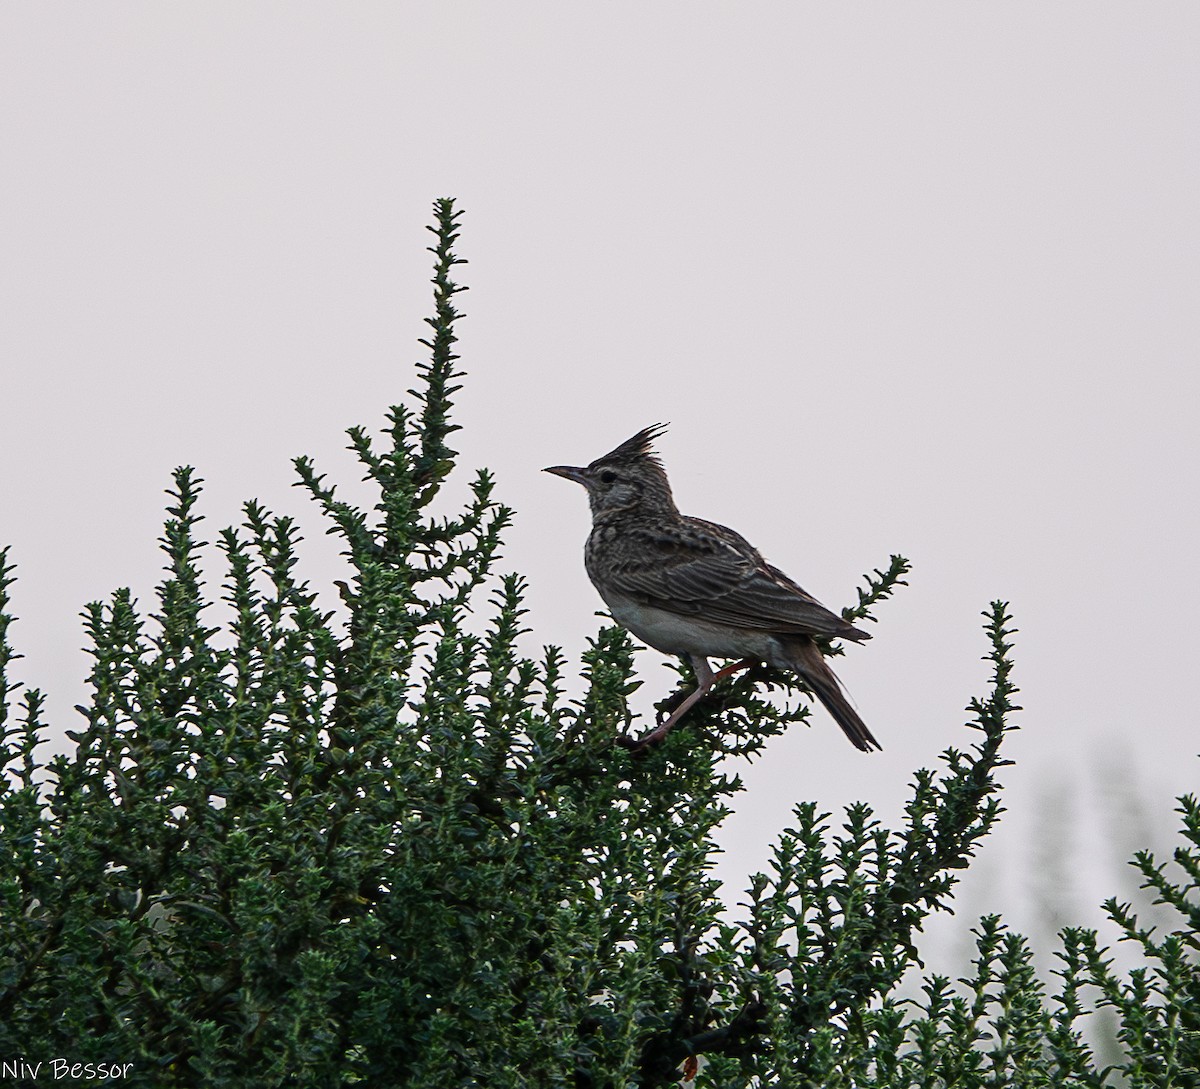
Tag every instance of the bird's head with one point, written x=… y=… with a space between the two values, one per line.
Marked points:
x=629 y=478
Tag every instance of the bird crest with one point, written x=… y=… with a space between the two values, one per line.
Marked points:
x=640 y=446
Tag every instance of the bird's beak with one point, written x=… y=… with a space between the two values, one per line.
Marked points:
x=569 y=472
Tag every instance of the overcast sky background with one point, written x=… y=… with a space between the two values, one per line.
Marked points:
x=915 y=278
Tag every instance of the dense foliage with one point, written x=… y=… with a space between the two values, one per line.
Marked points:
x=383 y=847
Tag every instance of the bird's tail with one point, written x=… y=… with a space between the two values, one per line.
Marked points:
x=808 y=661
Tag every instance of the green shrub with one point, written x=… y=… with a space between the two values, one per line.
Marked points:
x=380 y=848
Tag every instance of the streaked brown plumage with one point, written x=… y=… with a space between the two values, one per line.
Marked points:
x=694 y=588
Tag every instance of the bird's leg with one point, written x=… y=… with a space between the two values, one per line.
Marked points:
x=705 y=678
x=704 y=681
x=737 y=667
x=676 y=698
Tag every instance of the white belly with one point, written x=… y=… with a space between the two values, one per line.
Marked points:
x=674 y=634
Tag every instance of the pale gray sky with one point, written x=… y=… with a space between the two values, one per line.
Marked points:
x=917 y=278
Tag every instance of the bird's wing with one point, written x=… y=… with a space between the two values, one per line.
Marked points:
x=702 y=569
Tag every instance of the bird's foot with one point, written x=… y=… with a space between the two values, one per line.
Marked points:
x=633 y=744
x=682 y=707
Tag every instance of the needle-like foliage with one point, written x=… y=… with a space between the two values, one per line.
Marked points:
x=383 y=846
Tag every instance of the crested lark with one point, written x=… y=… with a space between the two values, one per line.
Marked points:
x=693 y=588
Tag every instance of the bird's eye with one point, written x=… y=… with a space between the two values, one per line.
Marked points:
x=607 y=477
